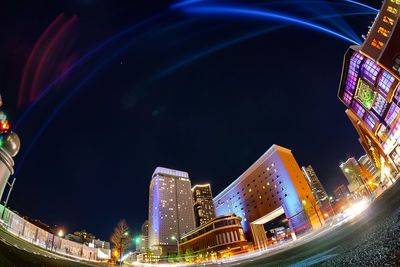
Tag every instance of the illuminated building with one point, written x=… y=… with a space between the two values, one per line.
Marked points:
x=316 y=187
x=369 y=89
x=203 y=204
x=341 y=192
x=170 y=209
x=222 y=235
x=144 y=244
x=356 y=176
x=272 y=186
x=369 y=167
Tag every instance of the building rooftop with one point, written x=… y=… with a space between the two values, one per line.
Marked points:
x=170 y=172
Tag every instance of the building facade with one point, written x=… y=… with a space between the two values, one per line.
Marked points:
x=369 y=89
x=170 y=209
x=203 y=204
x=369 y=167
x=222 y=235
x=316 y=187
x=341 y=192
x=144 y=244
x=272 y=186
x=353 y=173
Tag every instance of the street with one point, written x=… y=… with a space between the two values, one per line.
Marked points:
x=368 y=240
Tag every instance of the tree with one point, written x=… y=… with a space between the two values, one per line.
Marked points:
x=85 y=237
x=171 y=257
x=120 y=238
x=189 y=255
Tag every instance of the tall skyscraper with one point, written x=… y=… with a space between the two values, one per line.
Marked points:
x=353 y=173
x=144 y=244
x=170 y=209
x=316 y=187
x=203 y=204
x=341 y=192
x=369 y=88
x=273 y=186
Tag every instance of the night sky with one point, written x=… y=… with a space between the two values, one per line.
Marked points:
x=212 y=117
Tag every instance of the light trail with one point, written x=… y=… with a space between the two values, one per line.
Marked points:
x=237 y=40
x=265 y=14
x=185 y=3
x=361 y=4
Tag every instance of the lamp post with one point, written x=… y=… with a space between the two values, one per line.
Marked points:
x=177 y=242
x=120 y=248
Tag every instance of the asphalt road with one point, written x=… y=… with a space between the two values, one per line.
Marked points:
x=15 y=252
x=371 y=239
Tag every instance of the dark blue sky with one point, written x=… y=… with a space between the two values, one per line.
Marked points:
x=212 y=117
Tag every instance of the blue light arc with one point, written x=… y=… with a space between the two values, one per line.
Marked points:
x=267 y=15
x=237 y=40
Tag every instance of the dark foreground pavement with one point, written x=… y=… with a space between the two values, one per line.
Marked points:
x=372 y=239
x=15 y=252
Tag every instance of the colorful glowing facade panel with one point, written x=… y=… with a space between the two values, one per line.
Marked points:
x=364 y=94
x=392 y=114
x=357 y=109
x=380 y=106
x=385 y=81
x=369 y=121
x=354 y=68
x=370 y=70
x=347 y=98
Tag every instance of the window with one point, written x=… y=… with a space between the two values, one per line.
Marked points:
x=388 y=20
x=383 y=31
x=369 y=120
x=392 y=114
x=392 y=10
x=370 y=70
x=380 y=106
x=385 y=81
x=377 y=44
x=352 y=76
x=397 y=2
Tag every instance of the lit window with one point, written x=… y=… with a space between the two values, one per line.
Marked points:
x=370 y=70
x=392 y=10
x=377 y=44
x=392 y=114
x=383 y=31
x=357 y=109
x=397 y=2
x=380 y=105
x=388 y=20
x=259 y=197
x=352 y=76
x=369 y=120
x=250 y=190
x=385 y=81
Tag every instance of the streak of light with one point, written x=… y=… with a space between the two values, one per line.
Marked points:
x=361 y=4
x=185 y=3
x=265 y=14
x=237 y=40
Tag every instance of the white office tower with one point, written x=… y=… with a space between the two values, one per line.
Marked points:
x=170 y=209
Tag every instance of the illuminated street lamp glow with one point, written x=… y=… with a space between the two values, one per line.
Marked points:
x=60 y=233
x=137 y=240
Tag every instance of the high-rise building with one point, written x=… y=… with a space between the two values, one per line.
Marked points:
x=144 y=242
x=353 y=173
x=316 y=187
x=341 y=192
x=203 y=204
x=369 y=88
x=170 y=209
x=274 y=185
x=369 y=167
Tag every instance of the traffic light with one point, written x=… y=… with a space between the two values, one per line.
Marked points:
x=4 y=125
x=285 y=220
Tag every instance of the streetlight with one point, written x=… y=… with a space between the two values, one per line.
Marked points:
x=120 y=247
x=60 y=233
x=177 y=241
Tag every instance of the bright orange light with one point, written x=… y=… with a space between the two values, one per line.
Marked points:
x=5 y=126
x=326 y=214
